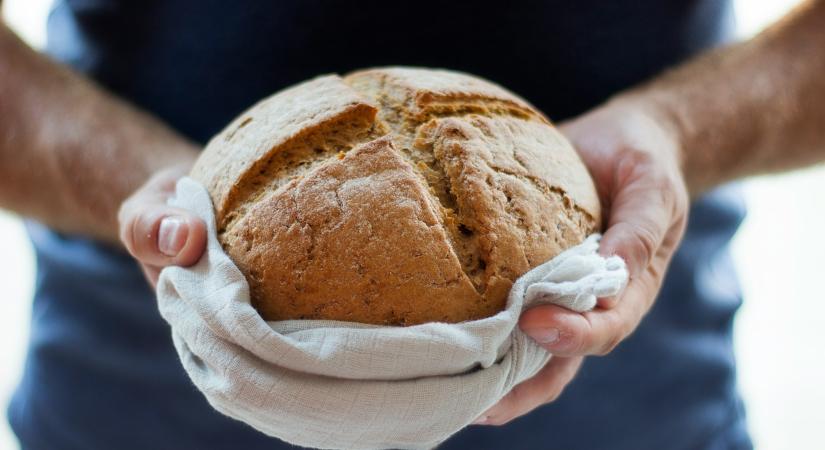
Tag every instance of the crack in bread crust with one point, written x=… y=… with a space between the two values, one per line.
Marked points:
x=294 y=159
x=332 y=212
x=396 y=114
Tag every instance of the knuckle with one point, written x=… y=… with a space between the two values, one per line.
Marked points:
x=681 y=196
x=677 y=197
x=637 y=157
x=577 y=342
x=663 y=182
x=608 y=302
x=632 y=164
x=680 y=211
x=644 y=241
x=618 y=330
x=612 y=342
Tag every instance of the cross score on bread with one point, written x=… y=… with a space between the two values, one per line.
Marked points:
x=393 y=196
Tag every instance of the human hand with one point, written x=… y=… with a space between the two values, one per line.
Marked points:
x=159 y=235
x=634 y=157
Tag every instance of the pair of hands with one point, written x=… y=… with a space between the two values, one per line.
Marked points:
x=634 y=158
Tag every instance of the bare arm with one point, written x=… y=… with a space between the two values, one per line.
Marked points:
x=755 y=107
x=69 y=152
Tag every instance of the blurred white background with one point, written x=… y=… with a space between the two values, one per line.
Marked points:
x=779 y=251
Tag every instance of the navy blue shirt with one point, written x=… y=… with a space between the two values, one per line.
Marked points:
x=101 y=371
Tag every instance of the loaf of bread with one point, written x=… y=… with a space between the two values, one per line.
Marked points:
x=393 y=196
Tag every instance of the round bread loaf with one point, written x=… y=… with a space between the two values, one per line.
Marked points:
x=393 y=196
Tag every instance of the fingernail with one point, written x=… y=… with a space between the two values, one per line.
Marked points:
x=480 y=421
x=545 y=335
x=172 y=235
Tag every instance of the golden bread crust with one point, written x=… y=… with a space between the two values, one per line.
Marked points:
x=393 y=196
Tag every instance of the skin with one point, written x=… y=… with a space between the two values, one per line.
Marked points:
x=77 y=140
x=750 y=108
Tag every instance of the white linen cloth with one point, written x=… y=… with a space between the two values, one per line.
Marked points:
x=329 y=384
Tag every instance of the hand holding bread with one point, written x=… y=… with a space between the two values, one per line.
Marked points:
x=403 y=196
x=634 y=158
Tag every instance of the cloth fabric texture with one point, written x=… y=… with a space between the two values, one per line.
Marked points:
x=330 y=384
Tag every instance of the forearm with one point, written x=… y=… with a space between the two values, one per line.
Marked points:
x=69 y=152
x=754 y=107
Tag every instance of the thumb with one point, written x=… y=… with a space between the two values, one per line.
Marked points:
x=159 y=235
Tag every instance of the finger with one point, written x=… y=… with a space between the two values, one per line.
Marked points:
x=637 y=227
x=543 y=388
x=567 y=333
x=609 y=302
x=159 y=235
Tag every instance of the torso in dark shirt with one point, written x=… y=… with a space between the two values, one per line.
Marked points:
x=101 y=371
